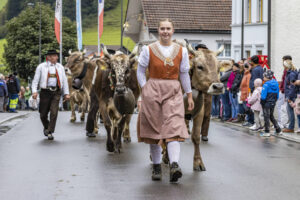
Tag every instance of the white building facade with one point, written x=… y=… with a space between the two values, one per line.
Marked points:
x=255 y=28
x=285 y=29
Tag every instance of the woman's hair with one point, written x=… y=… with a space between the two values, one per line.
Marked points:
x=165 y=20
x=289 y=64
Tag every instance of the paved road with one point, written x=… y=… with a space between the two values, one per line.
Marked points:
x=239 y=166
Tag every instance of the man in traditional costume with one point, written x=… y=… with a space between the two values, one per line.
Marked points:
x=51 y=78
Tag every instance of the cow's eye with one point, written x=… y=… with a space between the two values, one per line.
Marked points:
x=200 y=67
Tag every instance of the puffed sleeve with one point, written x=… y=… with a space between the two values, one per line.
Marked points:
x=184 y=71
x=142 y=66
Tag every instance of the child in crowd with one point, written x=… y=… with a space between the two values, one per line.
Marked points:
x=254 y=100
x=269 y=96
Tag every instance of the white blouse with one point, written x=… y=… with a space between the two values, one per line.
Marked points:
x=166 y=51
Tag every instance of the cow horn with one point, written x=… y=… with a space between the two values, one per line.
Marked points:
x=190 y=49
x=70 y=51
x=84 y=51
x=220 y=50
x=134 y=51
x=105 y=52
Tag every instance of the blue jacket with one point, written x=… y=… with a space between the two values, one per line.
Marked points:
x=3 y=89
x=269 y=93
x=257 y=72
x=289 y=89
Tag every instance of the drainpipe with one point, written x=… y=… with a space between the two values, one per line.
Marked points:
x=242 y=31
x=269 y=33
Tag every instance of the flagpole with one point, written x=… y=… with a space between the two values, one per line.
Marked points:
x=60 y=36
x=98 y=30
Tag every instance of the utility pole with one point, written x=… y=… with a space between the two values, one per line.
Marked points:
x=269 y=33
x=40 y=33
x=121 y=23
x=242 y=30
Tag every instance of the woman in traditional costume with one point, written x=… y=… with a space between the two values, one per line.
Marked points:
x=161 y=117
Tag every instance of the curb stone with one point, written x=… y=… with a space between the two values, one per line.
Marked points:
x=289 y=138
x=13 y=117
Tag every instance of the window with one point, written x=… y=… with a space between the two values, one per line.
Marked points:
x=227 y=50
x=248 y=53
x=259 y=52
x=194 y=43
x=248 y=11
x=260 y=11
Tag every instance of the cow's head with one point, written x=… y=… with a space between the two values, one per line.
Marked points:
x=121 y=67
x=205 y=70
x=75 y=62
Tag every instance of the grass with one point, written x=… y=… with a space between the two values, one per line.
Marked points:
x=2 y=42
x=2 y=3
x=111 y=30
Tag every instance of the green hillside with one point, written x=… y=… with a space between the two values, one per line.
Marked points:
x=111 y=34
x=2 y=3
x=112 y=31
x=2 y=42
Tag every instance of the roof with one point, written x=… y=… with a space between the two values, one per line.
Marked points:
x=191 y=15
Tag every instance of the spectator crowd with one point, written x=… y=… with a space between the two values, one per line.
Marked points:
x=14 y=97
x=252 y=94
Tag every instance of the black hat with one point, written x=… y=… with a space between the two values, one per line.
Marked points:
x=236 y=65
x=201 y=46
x=268 y=74
x=255 y=59
x=287 y=57
x=51 y=52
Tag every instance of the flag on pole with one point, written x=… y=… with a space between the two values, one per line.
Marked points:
x=100 y=17
x=57 y=23
x=78 y=22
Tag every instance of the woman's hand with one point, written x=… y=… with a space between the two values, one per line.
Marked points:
x=139 y=104
x=190 y=101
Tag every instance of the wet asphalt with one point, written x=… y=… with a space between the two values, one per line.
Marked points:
x=240 y=165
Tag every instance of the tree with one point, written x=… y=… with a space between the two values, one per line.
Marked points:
x=13 y=8
x=22 y=49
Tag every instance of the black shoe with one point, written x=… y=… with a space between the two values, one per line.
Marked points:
x=204 y=138
x=50 y=136
x=175 y=172
x=156 y=172
x=90 y=134
x=46 y=132
x=278 y=130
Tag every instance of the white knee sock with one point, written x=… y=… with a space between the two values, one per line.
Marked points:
x=173 y=151
x=155 y=151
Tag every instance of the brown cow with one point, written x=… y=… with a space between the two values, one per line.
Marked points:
x=113 y=85
x=205 y=80
x=76 y=63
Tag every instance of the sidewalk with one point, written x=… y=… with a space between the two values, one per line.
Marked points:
x=4 y=117
x=295 y=137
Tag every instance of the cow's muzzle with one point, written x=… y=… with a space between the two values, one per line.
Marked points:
x=216 y=89
x=120 y=89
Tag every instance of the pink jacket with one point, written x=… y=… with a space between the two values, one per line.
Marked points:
x=254 y=100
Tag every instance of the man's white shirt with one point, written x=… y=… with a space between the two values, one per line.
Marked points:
x=41 y=77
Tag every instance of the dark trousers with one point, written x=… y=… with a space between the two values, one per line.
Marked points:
x=269 y=115
x=94 y=108
x=216 y=105
x=226 y=105
x=49 y=102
